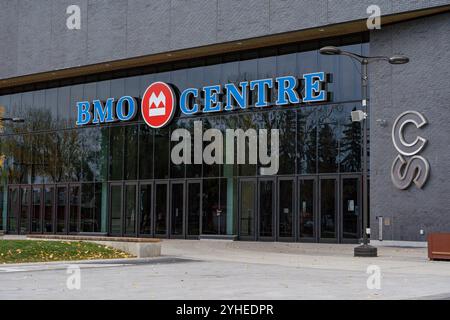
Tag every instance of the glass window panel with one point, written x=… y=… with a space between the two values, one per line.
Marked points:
x=36 y=210
x=286 y=123
x=25 y=210
x=101 y=194
x=177 y=208
x=131 y=152
x=351 y=208
x=76 y=95
x=328 y=208
x=51 y=103
x=349 y=77
x=210 y=221
x=74 y=209
x=306 y=208
x=103 y=90
x=162 y=150
x=130 y=209
x=286 y=208
x=307 y=140
x=116 y=209
x=49 y=205
x=116 y=153
x=194 y=208
x=87 y=207
x=69 y=153
x=328 y=139
x=61 y=209
x=178 y=170
x=145 y=152
x=248 y=210
x=350 y=146
x=145 y=201
x=266 y=208
x=64 y=102
x=161 y=208
x=14 y=207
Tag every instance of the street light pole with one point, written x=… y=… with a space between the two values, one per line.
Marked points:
x=364 y=250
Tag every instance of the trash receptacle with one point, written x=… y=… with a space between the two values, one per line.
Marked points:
x=439 y=246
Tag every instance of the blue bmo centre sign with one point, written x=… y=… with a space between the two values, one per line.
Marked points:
x=160 y=99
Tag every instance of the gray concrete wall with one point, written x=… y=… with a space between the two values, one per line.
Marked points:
x=34 y=37
x=421 y=85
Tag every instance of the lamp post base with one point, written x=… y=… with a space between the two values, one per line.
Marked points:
x=365 y=250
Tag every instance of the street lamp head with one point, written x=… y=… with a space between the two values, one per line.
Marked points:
x=330 y=50
x=398 y=59
x=21 y=120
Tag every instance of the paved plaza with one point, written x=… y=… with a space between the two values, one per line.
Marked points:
x=211 y=269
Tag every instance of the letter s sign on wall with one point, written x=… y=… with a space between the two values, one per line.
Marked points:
x=409 y=166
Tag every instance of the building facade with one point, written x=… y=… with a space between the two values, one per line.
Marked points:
x=60 y=175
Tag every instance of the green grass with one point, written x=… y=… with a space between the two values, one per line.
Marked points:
x=18 y=251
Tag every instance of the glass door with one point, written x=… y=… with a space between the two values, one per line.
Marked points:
x=194 y=208
x=115 y=209
x=286 y=209
x=36 y=209
x=247 y=209
x=161 y=208
x=61 y=209
x=25 y=206
x=328 y=209
x=130 y=212
x=145 y=209
x=74 y=208
x=266 y=209
x=212 y=212
x=351 y=209
x=13 y=209
x=49 y=209
x=307 y=209
x=177 y=210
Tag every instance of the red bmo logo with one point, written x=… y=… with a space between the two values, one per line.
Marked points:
x=158 y=104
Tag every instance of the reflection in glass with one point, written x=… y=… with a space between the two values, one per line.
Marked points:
x=36 y=210
x=266 y=208
x=74 y=209
x=87 y=207
x=61 y=208
x=161 y=208
x=162 y=153
x=306 y=204
x=350 y=145
x=328 y=208
x=48 y=209
x=130 y=209
x=145 y=209
x=177 y=216
x=350 y=209
x=247 y=207
x=307 y=140
x=145 y=152
x=25 y=210
x=116 y=153
x=210 y=221
x=131 y=152
x=194 y=208
x=14 y=207
x=286 y=208
x=116 y=209
x=328 y=141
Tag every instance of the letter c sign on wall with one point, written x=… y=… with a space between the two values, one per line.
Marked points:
x=409 y=166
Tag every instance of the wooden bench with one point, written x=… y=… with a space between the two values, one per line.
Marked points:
x=439 y=246
x=138 y=247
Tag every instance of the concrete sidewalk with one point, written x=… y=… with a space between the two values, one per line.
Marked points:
x=210 y=269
